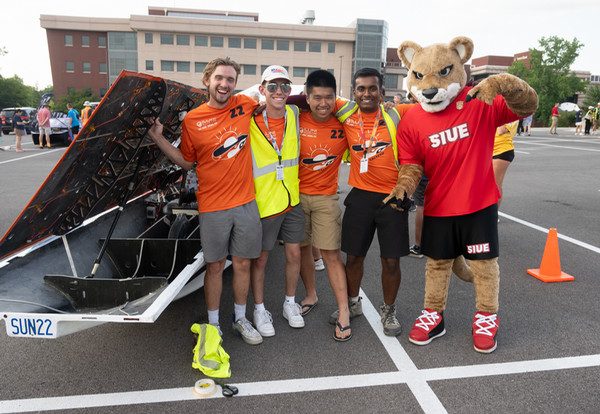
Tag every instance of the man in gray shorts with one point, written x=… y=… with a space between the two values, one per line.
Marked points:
x=229 y=219
x=275 y=150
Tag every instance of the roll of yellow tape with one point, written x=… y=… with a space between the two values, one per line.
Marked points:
x=205 y=388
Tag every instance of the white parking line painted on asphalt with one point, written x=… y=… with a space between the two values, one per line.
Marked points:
x=561 y=146
x=32 y=155
x=544 y=230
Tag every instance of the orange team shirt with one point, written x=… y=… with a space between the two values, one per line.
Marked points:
x=219 y=141
x=322 y=145
x=382 y=173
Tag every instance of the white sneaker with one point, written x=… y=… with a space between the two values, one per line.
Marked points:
x=293 y=313
x=319 y=265
x=246 y=331
x=264 y=323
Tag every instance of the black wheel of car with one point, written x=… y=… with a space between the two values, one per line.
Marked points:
x=36 y=139
x=63 y=139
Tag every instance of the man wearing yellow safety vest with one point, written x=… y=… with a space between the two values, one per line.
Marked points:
x=86 y=112
x=371 y=133
x=275 y=151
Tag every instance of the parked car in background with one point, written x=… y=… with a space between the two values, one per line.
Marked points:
x=7 y=115
x=59 y=123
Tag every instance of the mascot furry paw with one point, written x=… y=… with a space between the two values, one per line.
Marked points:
x=449 y=136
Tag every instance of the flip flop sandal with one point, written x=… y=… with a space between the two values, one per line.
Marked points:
x=342 y=329
x=307 y=308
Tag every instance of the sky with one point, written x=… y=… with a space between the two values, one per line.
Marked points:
x=499 y=28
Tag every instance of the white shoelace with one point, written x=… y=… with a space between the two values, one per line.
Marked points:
x=485 y=323
x=427 y=320
x=266 y=317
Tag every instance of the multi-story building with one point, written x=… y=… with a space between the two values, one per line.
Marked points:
x=177 y=44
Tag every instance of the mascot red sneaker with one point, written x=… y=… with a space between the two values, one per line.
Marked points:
x=449 y=136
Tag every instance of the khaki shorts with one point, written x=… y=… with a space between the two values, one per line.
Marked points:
x=45 y=130
x=323 y=217
x=19 y=132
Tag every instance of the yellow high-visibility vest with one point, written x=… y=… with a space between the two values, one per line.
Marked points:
x=391 y=119
x=275 y=196
x=209 y=355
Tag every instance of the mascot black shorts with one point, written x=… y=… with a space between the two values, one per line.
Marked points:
x=475 y=235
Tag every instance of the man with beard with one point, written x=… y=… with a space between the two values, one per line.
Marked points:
x=214 y=141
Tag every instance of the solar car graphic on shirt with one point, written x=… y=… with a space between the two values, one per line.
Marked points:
x=231 y=145
x=320 y=159
x=372 y=149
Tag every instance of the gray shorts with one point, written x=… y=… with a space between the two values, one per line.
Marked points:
x=45 y=130
x=235 y=231
x=288 y=227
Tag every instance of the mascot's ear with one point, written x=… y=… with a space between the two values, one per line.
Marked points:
x=463 y=46
x=407 y=51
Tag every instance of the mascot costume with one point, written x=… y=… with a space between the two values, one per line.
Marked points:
x=449 y=137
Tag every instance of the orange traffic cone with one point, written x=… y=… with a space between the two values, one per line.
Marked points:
x=549 y=270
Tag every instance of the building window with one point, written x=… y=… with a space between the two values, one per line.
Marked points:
x=101 y=41
x=216 y=41
x=390 y=81
x=331 y=47
x=85 y=41
x=149 y=38
x=166 y=39
x=122 y=41
x=249 y=69
x=103 y=92
x=331 y=71
x=86 y=67
x=299 y=72
x=299 y=46
x=283 y=45
x=249 y=43
x=102 y=67
x=68 y=40
x=167 y=66
x=235 y=42
x=201 y=40
x=199 y=66
x=70 y=66
x=267 y=44
x=149 y=65
x=183 y=66
x=70 y=89
x=263 y=68
x=183 y=40
x=314 y=47
x=311 y=70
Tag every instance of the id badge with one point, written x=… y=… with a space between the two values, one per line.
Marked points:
x=279 y=172
x=364 y=165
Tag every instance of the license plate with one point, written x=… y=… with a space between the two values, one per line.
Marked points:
x=33 y=327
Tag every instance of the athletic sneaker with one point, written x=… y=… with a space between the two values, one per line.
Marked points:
x=246 y=331
x=319 y=265
x=428 y=326
x=391 y=326
x=415 y=251
x=293 y=313
x=355 y=310
x=485 y=327
x=264 y=323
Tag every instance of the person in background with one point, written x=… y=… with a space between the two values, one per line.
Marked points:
x=74 y=116
x=527 y=124
x=19 y=125
x=588 y=119
x=86 y=113
x=43 y=118
x=504 y=153
x=555 y=116
x=578 y=122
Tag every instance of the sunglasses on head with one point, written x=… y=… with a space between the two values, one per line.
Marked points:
x=285 y=87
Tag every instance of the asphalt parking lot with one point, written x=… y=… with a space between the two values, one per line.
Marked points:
x=547 y=361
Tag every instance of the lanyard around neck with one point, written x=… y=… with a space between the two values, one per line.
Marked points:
x=373 y=132
x=272 y=135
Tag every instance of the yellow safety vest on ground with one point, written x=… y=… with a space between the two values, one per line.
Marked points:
x=209 y=355
x=391 y=118
x=274 y=196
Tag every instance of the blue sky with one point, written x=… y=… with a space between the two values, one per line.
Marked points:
x=502 y=28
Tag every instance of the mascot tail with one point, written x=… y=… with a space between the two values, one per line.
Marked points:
x=462 y=269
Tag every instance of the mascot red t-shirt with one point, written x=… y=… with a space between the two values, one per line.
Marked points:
x=462 y=131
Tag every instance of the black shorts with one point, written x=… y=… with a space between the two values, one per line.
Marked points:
x=506 y=156
x=363 y=215
x=475 y=235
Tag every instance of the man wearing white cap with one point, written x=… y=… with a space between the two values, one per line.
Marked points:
x=596 y=113
x=275 y=150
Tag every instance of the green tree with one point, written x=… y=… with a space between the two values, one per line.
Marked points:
x=549 y=73
x=592 y=96
x=14 y=93
x=75 y=98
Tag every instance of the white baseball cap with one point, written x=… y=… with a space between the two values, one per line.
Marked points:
x=275 y=72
